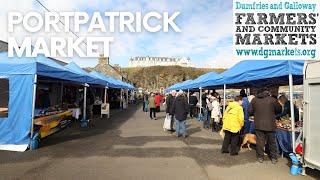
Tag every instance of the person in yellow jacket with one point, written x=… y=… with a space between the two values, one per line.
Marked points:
x=233 y=120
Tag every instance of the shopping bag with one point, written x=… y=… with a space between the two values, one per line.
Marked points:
x=167 y=123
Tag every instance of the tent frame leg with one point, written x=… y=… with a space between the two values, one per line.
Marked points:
x=33 y=104
x=200 y=99
x=121 y=98
x=188 y=96
x=292 y=112
x=224 y=97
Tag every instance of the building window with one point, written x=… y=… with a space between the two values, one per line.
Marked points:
x=4 y=97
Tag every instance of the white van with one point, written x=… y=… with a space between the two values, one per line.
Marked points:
x=311 y=120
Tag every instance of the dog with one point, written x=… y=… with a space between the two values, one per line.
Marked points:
x=249 y=139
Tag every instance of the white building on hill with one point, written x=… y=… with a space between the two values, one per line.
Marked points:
x=159 y=61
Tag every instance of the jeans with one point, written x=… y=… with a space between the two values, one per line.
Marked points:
x=181 y=128
x=153 y=113
x=172 y=122
x=144 y=106
x=266 y=138
x=231 y=139
x=206 y=117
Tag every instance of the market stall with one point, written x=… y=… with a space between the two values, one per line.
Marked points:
x=255 y=74
x=263 y=73
x=98 y=83
x=23 y=123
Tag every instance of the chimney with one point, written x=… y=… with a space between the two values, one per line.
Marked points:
x=117 y=67
x=103 y=59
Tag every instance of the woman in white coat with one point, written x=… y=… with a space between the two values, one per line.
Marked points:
x=215 y=113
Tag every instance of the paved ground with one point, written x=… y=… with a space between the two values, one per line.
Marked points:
x=130 y=146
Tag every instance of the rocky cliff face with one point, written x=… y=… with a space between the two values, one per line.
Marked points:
x=160 y=77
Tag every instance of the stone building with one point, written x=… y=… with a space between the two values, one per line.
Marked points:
x=159 y=61
x=106 y=68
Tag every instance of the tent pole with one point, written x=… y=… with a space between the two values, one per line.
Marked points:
x=121 y=94
x=200 y=99
x=188 y=96
x=224 y=97
x=85 y=102
x=127 y=95
x=33 y=103
x=292 y=112
x=61 y=93
x=105 y=94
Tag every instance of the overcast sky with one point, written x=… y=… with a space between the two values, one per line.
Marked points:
x=206 y=27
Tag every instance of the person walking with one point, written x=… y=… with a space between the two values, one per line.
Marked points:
x=158 y=100
x=193 y=101
x=233 y=120
x=152 y=107
x=209 y=110
x=145 y=103
x=169 y=103
x=204 y=108
x=215 y=113
x=264 y=109
x=180 y=111
x=245 y=106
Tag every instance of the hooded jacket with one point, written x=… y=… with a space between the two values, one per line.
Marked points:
x=180 y=108
x=169 y=103
x=264 y=109
x=233 y=118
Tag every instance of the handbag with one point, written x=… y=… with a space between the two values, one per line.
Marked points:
x=167 y=123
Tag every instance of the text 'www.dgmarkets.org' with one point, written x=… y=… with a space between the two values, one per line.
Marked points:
x=266 y=53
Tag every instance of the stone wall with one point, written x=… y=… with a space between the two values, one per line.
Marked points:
x=104 y=67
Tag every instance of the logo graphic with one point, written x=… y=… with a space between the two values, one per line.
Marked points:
x=276 y=29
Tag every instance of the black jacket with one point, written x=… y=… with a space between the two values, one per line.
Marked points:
x=264 y=109
x=203 y=100
x=180 y=108
x=169 y=104
x=193 y=101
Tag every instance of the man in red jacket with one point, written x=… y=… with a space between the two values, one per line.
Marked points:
x=158 y=102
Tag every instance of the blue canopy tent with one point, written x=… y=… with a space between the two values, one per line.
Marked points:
x=112 y=82
x=115 y=83
x=250 y=73
x=22 y=75
x=90 y=78
x=172 y=87
x=197 y=83
x=180 y=85
x=262 y=73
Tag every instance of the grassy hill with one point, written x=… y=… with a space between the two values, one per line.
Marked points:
x=156 y=77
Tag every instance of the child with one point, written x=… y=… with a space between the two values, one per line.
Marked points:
x=233 y=121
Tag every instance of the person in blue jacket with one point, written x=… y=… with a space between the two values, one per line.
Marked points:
x=245 y=106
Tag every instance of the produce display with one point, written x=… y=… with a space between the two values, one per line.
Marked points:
x=285 y=124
